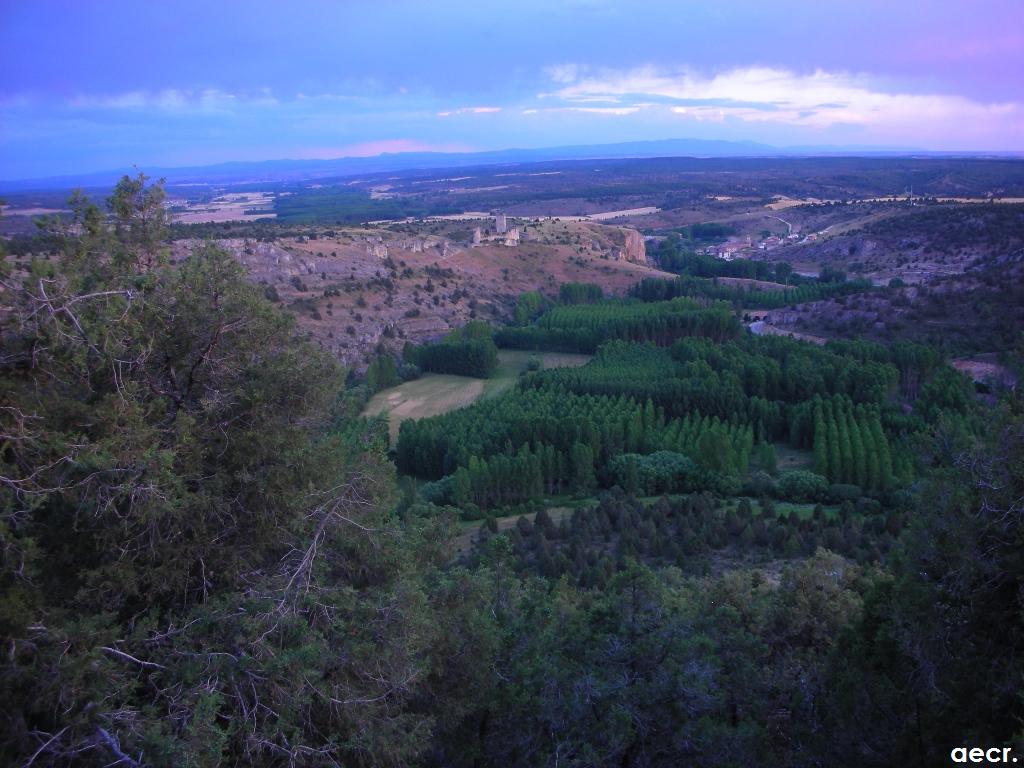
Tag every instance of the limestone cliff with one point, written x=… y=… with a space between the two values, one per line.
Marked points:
x=632 y=247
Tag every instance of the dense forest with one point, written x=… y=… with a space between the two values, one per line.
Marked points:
x=658 y=289
x=583 y=327
x=700 y=548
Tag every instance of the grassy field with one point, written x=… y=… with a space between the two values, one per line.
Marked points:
x=511 y=363
x=428 y=395
x=435 y=393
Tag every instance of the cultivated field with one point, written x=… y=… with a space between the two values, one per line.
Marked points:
x=428 y=395
x=435 y=393
x=230 y=207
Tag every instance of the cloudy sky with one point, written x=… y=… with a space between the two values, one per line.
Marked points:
x=89 y=85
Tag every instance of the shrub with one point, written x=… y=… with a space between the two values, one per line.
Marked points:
x=760 y=484
x=802 y=486
x=409 y=371
x=660 y=472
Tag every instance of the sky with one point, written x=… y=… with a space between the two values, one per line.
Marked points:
x=91 y=85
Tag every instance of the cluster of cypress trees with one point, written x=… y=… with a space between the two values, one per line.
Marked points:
x=915 y=363
x=583 y=327
x=580 y=293
x=780 y=368
x=437 y=446
x=644 y=372
x=477 y=358
x=699 y=452
x=510 y=479
x=704 y=399
x=850 y=445
x=658 y=289
x=466 y=351
x=607 y=425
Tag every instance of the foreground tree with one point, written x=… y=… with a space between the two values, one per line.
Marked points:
x=935 y=663
x=199 y=563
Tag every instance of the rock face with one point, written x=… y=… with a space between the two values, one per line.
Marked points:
x=633 y=249
x=412 y=245
x=380 y=250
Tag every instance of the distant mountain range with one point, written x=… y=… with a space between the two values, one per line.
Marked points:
x=269 y=171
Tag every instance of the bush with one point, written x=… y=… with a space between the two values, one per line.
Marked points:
x=438 y=492
x=660 y=472
x=802 y=486
x=760 y=484
x=866 y=506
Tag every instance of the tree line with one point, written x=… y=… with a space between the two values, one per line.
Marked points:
x=437 y=446
x=591 y=545
x=747 y=297
x=583 y=328
x=848 y=441
x=466 y=351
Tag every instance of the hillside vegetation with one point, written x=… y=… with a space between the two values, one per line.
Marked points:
x=702 y=547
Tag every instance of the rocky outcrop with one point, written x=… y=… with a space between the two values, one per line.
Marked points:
x=263 y=261
x=412 y=245
x=633 y=249
x=629 y=246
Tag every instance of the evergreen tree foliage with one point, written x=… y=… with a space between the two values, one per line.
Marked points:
x=196 y=541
